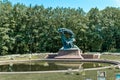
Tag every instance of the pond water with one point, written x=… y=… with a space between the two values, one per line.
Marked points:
x=48 y=66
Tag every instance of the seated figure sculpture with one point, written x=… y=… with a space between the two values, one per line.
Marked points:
x=69 y=50
x=67 y=37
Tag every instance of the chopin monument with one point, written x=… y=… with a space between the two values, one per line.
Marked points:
x=69 y=50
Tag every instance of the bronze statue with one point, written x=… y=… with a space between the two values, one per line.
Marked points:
x=67 y=37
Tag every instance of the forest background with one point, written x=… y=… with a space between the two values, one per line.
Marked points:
x=25 y=29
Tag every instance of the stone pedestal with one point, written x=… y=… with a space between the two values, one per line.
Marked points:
x=69 y=54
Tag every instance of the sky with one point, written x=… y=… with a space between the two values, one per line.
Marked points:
x=85 y=4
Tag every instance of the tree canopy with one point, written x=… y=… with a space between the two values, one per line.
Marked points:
x=35 y=28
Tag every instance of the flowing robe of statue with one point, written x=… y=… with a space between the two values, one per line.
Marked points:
x=67 y=37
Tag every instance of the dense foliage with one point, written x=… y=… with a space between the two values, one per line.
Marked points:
x=34 y=28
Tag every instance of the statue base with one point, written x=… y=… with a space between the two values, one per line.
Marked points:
x=73 y=53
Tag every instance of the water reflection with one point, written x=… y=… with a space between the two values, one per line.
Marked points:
x=47 y=66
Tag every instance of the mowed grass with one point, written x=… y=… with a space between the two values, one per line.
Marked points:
x=45 y=76
x=23 y=57
x=110 y=57
x=61 y=76
x=43 y=55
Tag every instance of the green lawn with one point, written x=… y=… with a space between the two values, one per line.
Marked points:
x=59 y=76
x=110 y=57
x=41 y=56
x=23 y=57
